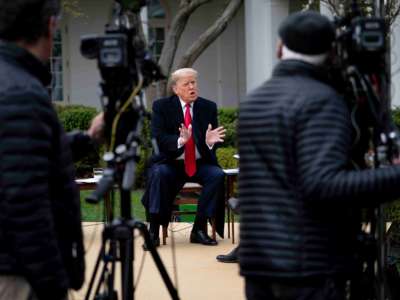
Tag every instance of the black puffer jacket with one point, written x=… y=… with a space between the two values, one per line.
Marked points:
x=40 y=228
x=299 y=199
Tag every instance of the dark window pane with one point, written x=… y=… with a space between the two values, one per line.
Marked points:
x=56 y=68
x=155 y=10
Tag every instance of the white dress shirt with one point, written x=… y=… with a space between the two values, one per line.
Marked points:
x=183 y=105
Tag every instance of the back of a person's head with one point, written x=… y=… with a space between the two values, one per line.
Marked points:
x=26 y=20
x=307 y=33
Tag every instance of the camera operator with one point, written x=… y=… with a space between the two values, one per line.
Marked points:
x=300 y=199
x=41 y=248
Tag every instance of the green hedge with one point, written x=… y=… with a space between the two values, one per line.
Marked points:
x=227 y=117
x=78 y=117
x=75 y=116
x=226 y=159
x=396 y=116
x=145 y=154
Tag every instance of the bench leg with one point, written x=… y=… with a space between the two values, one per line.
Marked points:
x=228 y=212
x=164 y=234
x=233 y=228
x=213 y=229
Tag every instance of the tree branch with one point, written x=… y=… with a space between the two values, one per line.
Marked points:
x=186 y=8
x=395 y=14
x=210 y=35
x=332 y=6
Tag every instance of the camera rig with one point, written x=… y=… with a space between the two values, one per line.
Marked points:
x=125 y=70
x=362 y=74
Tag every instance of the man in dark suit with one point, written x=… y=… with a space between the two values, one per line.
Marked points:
x=185 y=127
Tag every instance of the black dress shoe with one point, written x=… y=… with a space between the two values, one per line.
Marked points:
x=155 y=240
x=200 y=237
x=231 y=257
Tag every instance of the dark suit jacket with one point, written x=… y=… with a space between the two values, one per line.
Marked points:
x=167 y=118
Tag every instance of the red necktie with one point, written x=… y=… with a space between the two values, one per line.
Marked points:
x=190 y=155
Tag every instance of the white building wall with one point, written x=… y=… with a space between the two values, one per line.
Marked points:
x=81 y=75
x=262 y=20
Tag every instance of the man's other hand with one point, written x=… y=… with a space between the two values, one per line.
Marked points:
x=96 y=130
x=185 y=134
x=214 y=136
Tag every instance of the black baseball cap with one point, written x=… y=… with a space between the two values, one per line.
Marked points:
x=307 y=32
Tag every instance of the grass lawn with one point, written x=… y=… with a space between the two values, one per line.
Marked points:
x=95 y=212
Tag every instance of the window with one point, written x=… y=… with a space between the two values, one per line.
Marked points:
x=156 y=41
x=56 y=68
x=155 y=10
x=156 y=29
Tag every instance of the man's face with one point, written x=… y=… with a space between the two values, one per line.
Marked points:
x=186 y=88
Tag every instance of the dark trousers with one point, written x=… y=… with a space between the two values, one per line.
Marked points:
x=166 y=180
x=262 y=288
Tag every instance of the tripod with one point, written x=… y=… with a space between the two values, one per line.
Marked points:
x=118 y=236
x=117 y=246
x=125 y=69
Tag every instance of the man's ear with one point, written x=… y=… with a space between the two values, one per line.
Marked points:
x=279 y=46
x=173 y=88
x=52 y=26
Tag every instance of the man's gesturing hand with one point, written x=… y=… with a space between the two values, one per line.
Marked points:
x=214 y=135
x=185 y=134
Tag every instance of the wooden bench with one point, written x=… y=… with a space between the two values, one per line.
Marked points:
x=189 y=194
x=231 y=176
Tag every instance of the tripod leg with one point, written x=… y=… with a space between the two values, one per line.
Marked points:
x=92 y=279
x=126 y=248
x=156 y=257
x=111 y=293
x=107 y=258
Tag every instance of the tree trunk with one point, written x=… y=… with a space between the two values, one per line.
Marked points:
x=210 y=35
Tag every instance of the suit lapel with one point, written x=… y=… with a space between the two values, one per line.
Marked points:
x=176 y=110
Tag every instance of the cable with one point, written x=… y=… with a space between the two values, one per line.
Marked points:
x=353 y=113
x=123 y=108
x=141 y=267
x=173 y=249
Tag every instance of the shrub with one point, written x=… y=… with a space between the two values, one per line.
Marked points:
x=145 y=154
x=75 y=116
x=396 y=116
x=228 y=118
x=226 y=159
x=227 y=115
x=79 y=117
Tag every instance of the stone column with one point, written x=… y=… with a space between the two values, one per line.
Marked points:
x=262 y=19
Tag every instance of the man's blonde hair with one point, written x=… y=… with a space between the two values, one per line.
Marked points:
x=176 y=75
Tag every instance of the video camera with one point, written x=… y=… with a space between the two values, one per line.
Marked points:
x=361 y=41
x=361 y=72
x=125 y=68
